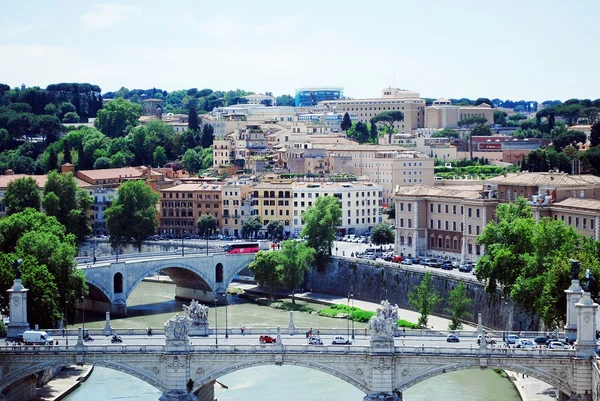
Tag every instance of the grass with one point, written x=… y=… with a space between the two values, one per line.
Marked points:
x=358 y=315
x=284 y=305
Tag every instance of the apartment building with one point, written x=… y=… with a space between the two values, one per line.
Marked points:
x=445 y=221
x=182 y=205
x=259 y=98
x=392 y=99
x=360 y=203
x=234 y=215
x=442 y=114
x=385 y=165
x=272 y=200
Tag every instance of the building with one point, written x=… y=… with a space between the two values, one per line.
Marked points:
x=267 y=100
x=360 y=203
x=232 y=218
x=272 y=200
x=181 y=206
x=392 y=99
x=152 y=107
x=442 y=114
x=306 y=97
x=445 y=221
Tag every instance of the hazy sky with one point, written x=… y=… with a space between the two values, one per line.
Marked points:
x=526 y=49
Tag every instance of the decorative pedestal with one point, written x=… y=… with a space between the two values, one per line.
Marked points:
x=199 y=329
x=291 y=329
x=18 y=310
x=107 y=330
x=586 y=326
x=574 y=294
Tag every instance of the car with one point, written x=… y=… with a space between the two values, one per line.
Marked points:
x=315 y=341
x=455 y=265
x=512 y=339
x=397 y=259
x=540 y=340
x=488 y=340
x=452 y=338
x=387 y=256
x=447 y=265
x=340 y=340
x=267 y=340
x=465 y=268
x=417 y=261
x=424 y=261
x=406 y=261
x=524 y=343
x=557 y=345
x=365 y=240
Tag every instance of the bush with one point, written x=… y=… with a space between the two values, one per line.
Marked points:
x=407 y=324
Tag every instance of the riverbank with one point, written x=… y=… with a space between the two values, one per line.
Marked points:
x=64 y=383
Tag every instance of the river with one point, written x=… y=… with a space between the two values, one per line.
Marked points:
x=151 y=304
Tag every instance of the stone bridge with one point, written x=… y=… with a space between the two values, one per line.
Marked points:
x=381 y=371
x=195 y=276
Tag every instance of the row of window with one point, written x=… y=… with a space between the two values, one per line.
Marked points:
x=577 y=221
x=189 y=196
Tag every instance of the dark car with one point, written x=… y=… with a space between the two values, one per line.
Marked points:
x=465 y=268
x=540 y=340
x=267 y=340
x=447 y=265
x=452 y=338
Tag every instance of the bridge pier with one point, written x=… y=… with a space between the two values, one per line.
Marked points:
x=202 y=296
x=116 y=309
x=396 y=396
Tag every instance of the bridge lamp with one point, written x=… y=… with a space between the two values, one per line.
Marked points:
x=66 y=320
x=83 y=313
x=216 y=323
x=348 y=319
x=352 y=310
x=226 y=302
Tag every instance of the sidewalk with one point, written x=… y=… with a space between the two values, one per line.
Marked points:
x=531 y=389
x=64 y=383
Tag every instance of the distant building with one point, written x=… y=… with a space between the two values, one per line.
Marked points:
x=442 y=114
x=306 y=97
x=151 y=106
x=267 y=100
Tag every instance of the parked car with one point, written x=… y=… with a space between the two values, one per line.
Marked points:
x=406 y=261
x=315 y=341
x=424 y=262
x=557 y=345
x=452 y=338
x=447 y=265
x=340 y=340
x=267 y=340
x=434 y=262
x=512 y=339
x=455 y=265
x=524 y=343
x=488 y=340
x=465 y=268
x=397 y=259
x=417 y=261
x=540 y=340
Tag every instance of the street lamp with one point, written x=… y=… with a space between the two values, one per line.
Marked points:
x=66 y=320
x=182 y=252
x=216 y=323
x=83 y=313
x=352 y=296
x=348 y=318
x=226 y=324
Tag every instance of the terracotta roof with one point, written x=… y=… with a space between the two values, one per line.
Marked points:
x=192 y=188
x=463 y=192
x=546 y=179
x=108 y=173
x=580 y=204
x=40 y=179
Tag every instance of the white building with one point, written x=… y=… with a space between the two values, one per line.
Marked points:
x=360 y=203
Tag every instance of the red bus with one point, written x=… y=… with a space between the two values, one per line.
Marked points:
x=241 y=247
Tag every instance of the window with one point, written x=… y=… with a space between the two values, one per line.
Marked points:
x=431 y=223
x=477 y=229
x=576 y=222
x=584 y=222
x=431 y=208
x=454 y=226
x=470 y=248
x=478 y=250
x=401 y=222
x=469 y=213
x=409 y=207
x=470 y=231
x=454 y=209
x=446 y=208
x=439 y=224
x=477 y=213
x=591 y=224
x=401 y=206
x=569 y=220
x=446 y=225
x=439 y=208
x=409 y=223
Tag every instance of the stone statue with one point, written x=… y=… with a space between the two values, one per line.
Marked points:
x=16 y=270
x=590 y=285
x=385 y=322
x=575 y=268
x=176 y=328
x=196 y=312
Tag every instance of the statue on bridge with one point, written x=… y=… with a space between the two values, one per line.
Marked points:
x=590 y=285
x=176 y=328
x=385 y=323
x=197 y=312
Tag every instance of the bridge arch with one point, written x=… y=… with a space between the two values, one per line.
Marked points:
x=34 y=369
x=325 y=368
x=554 y=380
x=97 y=292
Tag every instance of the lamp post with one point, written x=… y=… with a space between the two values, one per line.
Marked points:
x=216 y=323
x=66 y=320
x=226 y=316
x=207 y=234
x=83 y=313
x=182 y=252
x=352 y=296
x=348 y=318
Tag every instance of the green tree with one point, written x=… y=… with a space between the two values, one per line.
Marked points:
x=286 y=100
x=471 y=123
x=296 y=258
x=48 y=127
x=117 y=117
x=391 y=212
x=445 y=133
x=132 y=214
x=424 y=299
x=102 y=163
x=346 y=122
x=207 y=225
x=159 y=157
x=208 y=136
x=70 y=117
x=382 y=234
x=595 y=134
x=193 y=121
x=192 y=161
x=483 y=100
x=459 y=305
x=65 y=108
x=69 y=204
x=388 y=118
x=251 y=226
x=275 y=229
x=21 y=194
x=267 y=270
x=321 y=222
x=500 y=117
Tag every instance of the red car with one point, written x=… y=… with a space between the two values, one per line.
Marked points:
x=267 y=340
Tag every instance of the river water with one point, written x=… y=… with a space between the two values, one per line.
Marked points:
x=151 y=304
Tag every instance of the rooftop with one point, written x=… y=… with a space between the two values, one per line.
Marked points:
x=546 y=179
x=108 y=173
x=580 y=204
x=457 y=192
x=40 y=180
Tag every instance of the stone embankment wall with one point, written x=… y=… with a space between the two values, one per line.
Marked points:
x=375 y=281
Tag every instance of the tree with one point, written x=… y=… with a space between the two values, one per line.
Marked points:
x=48 y=127
x=595 y=134
x=69 y=204
x=117 y=117
x=71 y=117
x=286 y=100
x=132 y=214
x=159 y=157
x=192 y=161
x=424 y=299
x=391 y=211
x=267 y=270
x=193 y=121
x=445 y=133
x=459 y=305
x=206 y=225
x=346 y=122
x=21 y=194
x=275 y=229
x=382 y=234
x=208 y=136
x=470 y=123
x=388 y=118
x=500 y=117
x=359 y=132
x=251 y=226
x=483 y=100
x=320 y=226
x=295 y=258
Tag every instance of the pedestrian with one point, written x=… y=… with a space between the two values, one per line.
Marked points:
x=365 y=331
x=403 y=332
x=344 y=253
x=64 y=332
x=352 y=255
x=149 y=332
x=318 y=332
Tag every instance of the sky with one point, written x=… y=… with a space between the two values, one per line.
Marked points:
x=527 y=49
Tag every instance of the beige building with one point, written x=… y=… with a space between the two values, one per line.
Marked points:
x=442 y=114
x=233 y=214
x=272 y=200
x=392 y=99
x=445 y=221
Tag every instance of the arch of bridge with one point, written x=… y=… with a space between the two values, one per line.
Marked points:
x=55 y=363
x=349 y=372
x=554 y=373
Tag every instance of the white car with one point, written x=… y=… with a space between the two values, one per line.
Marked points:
x=488 y=340
x=340 y=340
x=524 y=343
x=557 y=345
